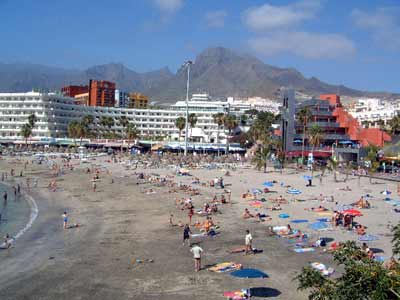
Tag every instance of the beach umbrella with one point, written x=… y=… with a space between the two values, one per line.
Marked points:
x=268 y=184
x=353 y=212
x=318 y=225
x=249 y=273
x=345 y=142
x=255 y=191
x=293 y=191
x=386 y=192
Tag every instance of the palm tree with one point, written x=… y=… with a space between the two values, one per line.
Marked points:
x=88 y=120
x=180 y=123
x=332 y=165
x=32 y=120
x=26 y=132
x=74 y=130
x=230 y=123
x=131 y=132
x=192 y=119
x=219 y=120
x=394 y=125
x=107 y=122
x=262 y=155
x=315 y=137
x=303 y=116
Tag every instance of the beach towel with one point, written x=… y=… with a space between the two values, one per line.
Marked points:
x=283 y=216
x=225 y=267
x=268 y=184
x=394 y=202
x=318 y=226
x=293 y=191
x=299 y=221
x=279 y=228
x=324 y=214
x=368 y=238
x=322 y=268
x=256 y=203
x=198 y=235
x=302 y=250
x=237 y=295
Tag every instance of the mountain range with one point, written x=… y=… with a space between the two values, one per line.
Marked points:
x=218 y=71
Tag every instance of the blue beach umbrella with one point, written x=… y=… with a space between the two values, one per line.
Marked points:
x=293 y=191
x=249 y=273
x=255 y=191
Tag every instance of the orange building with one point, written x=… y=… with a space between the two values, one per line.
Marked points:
x=138 y=100
x=101 y=93
x=365 y=136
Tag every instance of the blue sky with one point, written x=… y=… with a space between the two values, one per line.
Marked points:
x=355 y=43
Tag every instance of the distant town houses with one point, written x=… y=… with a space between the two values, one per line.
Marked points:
x=373 y=112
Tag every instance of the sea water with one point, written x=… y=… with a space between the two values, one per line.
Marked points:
x=14 y=215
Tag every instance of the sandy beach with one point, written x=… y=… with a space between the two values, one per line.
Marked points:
x=125 y=247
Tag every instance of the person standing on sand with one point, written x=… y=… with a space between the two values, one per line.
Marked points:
x=186 y=234
x=190 y=214
x=94 y=186
x=248 y=241
x=196 y=250
x=65 y=220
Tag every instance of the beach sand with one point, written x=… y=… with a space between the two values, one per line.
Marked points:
x=121 y=225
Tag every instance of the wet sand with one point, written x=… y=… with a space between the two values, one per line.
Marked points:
x=121 y=224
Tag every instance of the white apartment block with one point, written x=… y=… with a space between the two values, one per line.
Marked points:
x=54 y=112
x=373 y=110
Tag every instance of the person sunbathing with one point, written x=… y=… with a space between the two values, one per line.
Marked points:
x=247 y=214
x=276 y=207
x=317 y=209
x=247 y=195
x=360 y=229
x=279 y=200
x=346 y=188
x=361 y=203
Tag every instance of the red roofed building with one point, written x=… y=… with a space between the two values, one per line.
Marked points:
x=343 y=135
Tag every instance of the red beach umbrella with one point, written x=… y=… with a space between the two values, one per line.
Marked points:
x=353 y=212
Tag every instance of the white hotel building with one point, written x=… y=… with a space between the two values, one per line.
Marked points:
x=54 y=112
x=373 y=110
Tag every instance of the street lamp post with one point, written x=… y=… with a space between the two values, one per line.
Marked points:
x=187 y=64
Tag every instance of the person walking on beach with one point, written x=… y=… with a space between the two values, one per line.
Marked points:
x=248 y=240
x=196 y=250
x=186 y=235
x=5 y=197
x=190 y=214
x=65 y=220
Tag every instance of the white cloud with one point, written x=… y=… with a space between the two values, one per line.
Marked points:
x=304 y=44
x=216 y=19
x=168 y=6
x=268 y=17
x=383 y=24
